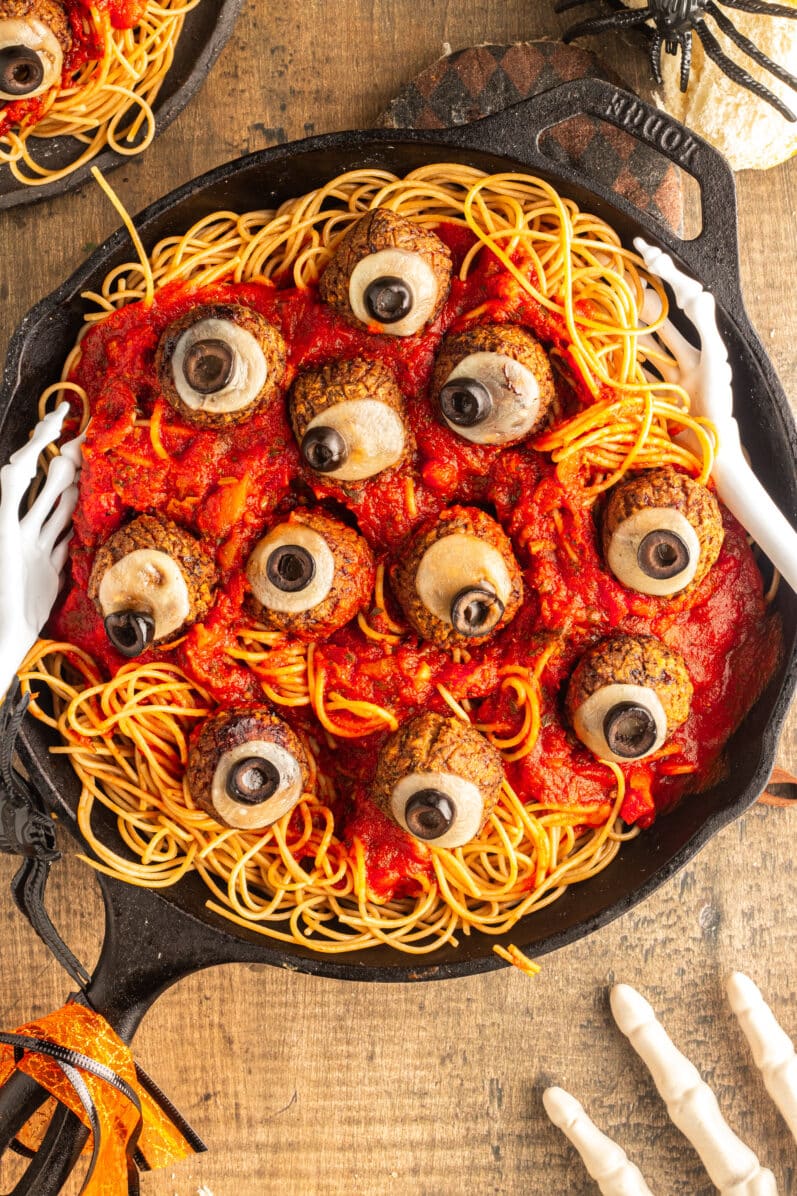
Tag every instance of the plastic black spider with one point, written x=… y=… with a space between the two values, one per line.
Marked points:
x=674 y=22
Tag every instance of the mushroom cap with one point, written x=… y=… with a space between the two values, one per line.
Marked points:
x=667 y=487
x=352 y=582
x=379 y=229
x=268 y=338
x=50 y=12
x=434 y=743
x=156 y=532
x=640 y=660
x=468 y=521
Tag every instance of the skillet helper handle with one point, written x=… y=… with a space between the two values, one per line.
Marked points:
x=713 y=255
x=781 y=789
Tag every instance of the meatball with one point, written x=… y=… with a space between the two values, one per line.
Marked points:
x=388 y=272
x=219 y=363
x=662 y=531
x=150 y=581
x=34 y=37
x=246 y=768
x=439 y=779
x=458 y=580
x=348 y=418
x=310 y=575
x=492 y=384
x=627 y=694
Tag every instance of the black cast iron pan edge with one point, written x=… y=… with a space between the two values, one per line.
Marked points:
x=204 y=35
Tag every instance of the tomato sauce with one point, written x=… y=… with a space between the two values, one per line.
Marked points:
x=229 y=484
x=88 y=44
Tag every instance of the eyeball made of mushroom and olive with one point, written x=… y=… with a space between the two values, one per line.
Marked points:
x=388 y=271
x=219 y=363
x=310 y=574
x=458 y=580
x=348 y=419
x=492 y=384
x=662 y=531
x=439 y=779
x=150 y=581
x=627 y=694
x=34 y=37
x=246 y=768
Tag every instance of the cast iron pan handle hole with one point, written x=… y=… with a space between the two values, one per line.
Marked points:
x=637 y=171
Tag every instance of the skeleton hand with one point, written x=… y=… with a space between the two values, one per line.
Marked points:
x=707 y=377
x=732 y=1166
x=32 y=552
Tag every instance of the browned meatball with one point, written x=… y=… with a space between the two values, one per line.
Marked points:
x=388 y=273
x=486 y=398
x=458 y=580
x=32 y=52
x=348 y=418
x=310 y=575
x=662 y=531
x=246 y=768
x=220 y=363
x=439 y=779
x=627 y=694
x=150 y=581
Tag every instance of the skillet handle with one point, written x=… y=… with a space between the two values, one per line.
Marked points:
x=149 y=945
x=518 y=131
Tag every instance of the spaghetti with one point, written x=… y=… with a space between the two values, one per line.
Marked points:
x=334 y=874
x=111 y=79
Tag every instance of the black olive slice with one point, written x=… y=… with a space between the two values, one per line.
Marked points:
x=290 y=568
x=630 y=730
x=429 y=814
x=662 y=554
x=324 y=449
x=21 y=70
x=208 y=365
x=476 y=610
x=253 y=780
x=465 y=402
x=130 y=631
x=388 y=299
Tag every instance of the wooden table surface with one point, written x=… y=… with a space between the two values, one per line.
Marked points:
x=305 y=1086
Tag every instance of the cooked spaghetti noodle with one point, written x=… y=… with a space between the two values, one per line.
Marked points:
x=304 y=879
x=105 y=102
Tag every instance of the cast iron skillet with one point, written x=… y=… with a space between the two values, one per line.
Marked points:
x=153 y=938
x=204 y=35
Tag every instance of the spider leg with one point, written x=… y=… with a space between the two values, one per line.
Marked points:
x=762 y=8
x=738 y=73
x=655 y=56
x=618 y=20
x=751 y=50
x=686 y=59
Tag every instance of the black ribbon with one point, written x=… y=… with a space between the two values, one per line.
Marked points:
x=27 y=830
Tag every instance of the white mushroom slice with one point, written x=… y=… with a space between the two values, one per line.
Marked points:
x=589 y=719
x=623 y=553
x=454 y=563
x=372 y=432
x=149 y=581
x=692 y=1106
x=34 y=35
x=606 y=1162
x=248 y=374
x=773 y=1050
x=413 y=271
x=514 y=393
x=464 y=797
x=318 y=585
x=285 y=775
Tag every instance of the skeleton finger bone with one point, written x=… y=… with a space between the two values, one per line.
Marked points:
x=606 y=1162
x=60 y=519
x=60 y=476
x=773 y=1050
x=732 y=1166
x=60 y=553
x=17 y=475
x=687 y=357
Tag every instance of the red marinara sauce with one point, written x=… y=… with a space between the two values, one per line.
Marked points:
x=230 y=484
